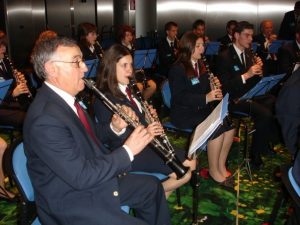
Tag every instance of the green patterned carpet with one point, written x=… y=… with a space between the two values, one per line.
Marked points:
x=216 y=204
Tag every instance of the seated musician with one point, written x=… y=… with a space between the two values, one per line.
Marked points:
x=264 y=40
x=289 y=54
x=239 y=71
x=146 y=85
x=87 y=41
x=75 y=178
x=113 y=81
x=12 y=109
x=190 y=103
x=167 y=48
x=226 y=40
x=199 y=28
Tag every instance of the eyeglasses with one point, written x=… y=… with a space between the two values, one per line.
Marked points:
x=78 y=63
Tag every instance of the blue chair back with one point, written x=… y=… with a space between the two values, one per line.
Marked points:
x=21 y=176
x=166 y=93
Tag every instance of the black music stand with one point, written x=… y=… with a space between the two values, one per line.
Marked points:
x=201 y=136
x=4 y=87
x=92 y=66
x=212 y=48
x=143 y=59
x=263 y=86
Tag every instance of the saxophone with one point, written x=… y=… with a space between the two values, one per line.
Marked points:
x=168 y=156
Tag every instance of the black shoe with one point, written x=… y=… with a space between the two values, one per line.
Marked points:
x=227 y=183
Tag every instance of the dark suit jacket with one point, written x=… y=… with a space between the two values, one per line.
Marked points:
x=148 y=160
x=288 y=26
x=261 y=50
x=188 y=102
x=288 y=114
x=229 y=70
x=288 y=54
x=166 y=56
x=225 y=42
x=88 y=54
x=70 y=173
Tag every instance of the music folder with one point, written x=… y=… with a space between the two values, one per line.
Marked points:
x=4 y=87
x=143 y=59
x=263 y=86
x=275 y=45
x=205 y=129
x=212 y=48
x=92 y=66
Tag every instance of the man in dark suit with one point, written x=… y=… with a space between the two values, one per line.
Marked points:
x=226 y=40
x=264 y=40
x=288 y=114
x=75 y=178
x=167 y=48
x=239 y=72
x=289 y=54
x=289 y=23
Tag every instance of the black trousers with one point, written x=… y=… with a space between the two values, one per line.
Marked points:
x=261 y=111
x=145 y=194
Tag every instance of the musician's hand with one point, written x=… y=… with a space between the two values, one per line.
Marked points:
x=20 y=76
x=138 y=140
x=155 y=129
x=258 y=61
x=217 y=82
x=253 y=71
x=272 y=37
x=153 y=112
x=20 y=89
x=118 y=123
x=214 y=95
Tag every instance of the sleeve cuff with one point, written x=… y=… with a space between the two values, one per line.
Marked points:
x=243 y=79
x=117 y=133
x=128 y=150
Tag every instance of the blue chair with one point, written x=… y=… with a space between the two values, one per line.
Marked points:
x=166 y=95
x=22 y=180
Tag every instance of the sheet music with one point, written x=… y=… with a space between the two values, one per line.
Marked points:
x=205 y=129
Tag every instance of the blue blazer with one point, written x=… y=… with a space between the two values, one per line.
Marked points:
x=74 y=180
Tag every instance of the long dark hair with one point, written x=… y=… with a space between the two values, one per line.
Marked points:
x=186 y=48
x=83 y=30
x=107 y=76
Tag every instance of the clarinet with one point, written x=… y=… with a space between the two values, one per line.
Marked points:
x=149 y=117
x=101 y=54
x=211 y=77
x=254 y=58
x=24 y=99
x=169 y=157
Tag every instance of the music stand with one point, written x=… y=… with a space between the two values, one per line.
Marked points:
x=201 y=136
x=143 y=59
x=212 y=48
x=275 y=45
x=263 y=86
x=4 y=87
x=92 y=66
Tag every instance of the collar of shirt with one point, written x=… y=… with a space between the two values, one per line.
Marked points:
x=238 y=51
x=298 y=44
x=129 y=46
x=69 y=99
x=92 y=48
x=123 y=90
x=169 y=41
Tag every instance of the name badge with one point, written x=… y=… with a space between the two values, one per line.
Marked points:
x=236 y=68
x=195 y=81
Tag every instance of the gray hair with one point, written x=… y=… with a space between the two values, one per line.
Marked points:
x=44 y=50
